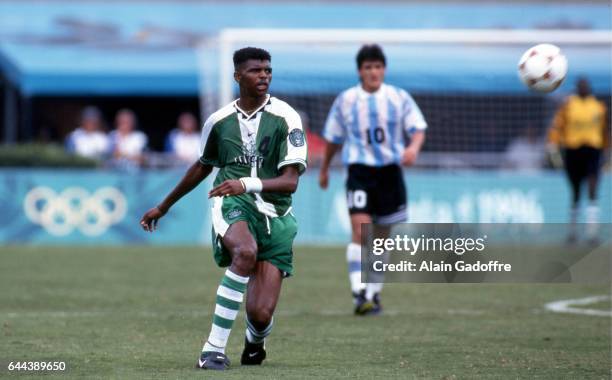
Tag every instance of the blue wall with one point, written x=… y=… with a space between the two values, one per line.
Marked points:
x=90 y=207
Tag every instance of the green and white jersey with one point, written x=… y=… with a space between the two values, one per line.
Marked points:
x=258 y=145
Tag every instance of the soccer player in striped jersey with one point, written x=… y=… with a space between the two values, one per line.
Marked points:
x=258 y=144
x=370 y=123
x=582 y=129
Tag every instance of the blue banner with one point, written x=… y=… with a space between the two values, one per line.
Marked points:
x=104 y=208
x=96 y=207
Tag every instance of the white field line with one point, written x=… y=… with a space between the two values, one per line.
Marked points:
x=565 y=306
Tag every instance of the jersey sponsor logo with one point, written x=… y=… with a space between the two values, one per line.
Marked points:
x=249 y=157
x=234 y=214
x=75 y=208
x=296 y=137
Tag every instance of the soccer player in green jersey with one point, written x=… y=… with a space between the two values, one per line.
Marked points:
x=258 y=144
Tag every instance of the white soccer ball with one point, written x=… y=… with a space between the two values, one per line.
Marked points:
x=542 y=68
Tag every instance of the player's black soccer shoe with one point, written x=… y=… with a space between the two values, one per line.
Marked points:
x=362 y=305
x=377 y=309
x=253 y=353
x=213 y=360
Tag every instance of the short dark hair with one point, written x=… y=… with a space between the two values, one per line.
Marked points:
x=244 y=54
x=371 y=52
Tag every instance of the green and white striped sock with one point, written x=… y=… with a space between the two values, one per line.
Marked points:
x=229 y=298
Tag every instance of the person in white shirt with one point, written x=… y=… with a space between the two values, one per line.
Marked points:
x=526 y=153
x=184 y=141
x=128 y=143
x=88 y=140
x=369 y=122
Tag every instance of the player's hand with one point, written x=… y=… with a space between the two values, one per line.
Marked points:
x=150 y=218
x=409 y=156
x=324 y=179
x=228 y=187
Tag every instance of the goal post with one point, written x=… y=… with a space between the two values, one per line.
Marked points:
x=464 y=80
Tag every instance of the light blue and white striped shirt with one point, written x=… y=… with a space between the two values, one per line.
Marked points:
x=372 y=125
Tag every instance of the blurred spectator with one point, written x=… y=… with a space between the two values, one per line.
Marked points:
x=526 y=152
x=184 y=141
x=128 y=143
x=89 y=140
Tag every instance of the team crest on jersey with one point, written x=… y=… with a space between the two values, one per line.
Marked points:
x=249 y=157
x=296 y=137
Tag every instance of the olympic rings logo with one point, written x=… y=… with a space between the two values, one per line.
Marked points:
x=75 y=207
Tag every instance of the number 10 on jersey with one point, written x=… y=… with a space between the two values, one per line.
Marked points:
x=376 y=135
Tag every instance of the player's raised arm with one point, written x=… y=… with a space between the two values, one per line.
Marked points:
x=192 y=178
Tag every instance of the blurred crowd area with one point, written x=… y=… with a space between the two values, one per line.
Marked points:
x=463 y=133
x=121 y=144
x=469 y=131
x=129 y=139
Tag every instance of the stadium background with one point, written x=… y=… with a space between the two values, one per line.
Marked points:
x=116 y=302
x=59 y=57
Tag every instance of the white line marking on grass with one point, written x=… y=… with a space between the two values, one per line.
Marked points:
x=564 y=306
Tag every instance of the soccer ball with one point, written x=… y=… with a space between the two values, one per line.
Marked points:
x=542 y=68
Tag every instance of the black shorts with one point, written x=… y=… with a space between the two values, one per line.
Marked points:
x=582 y=162
x=377 y=191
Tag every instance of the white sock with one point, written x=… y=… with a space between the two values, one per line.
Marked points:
x=372 y=289
x=573 y=225
x=353 y=258
x=229 y=297
x=574 y=212
x=592 y=220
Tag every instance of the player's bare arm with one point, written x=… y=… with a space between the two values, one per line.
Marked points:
x=330 y=151
x=411 y=152
x=287 y=182
x=192 y=178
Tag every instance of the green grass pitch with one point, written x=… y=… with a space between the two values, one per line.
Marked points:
x=141 y=312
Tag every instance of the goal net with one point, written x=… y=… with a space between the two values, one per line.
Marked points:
x=465 y=82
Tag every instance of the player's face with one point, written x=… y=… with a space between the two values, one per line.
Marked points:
x=187 y=123
x=125 y=122
x=91 y=124
x=254 y=76
x=372 y=74
x=583 y=88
